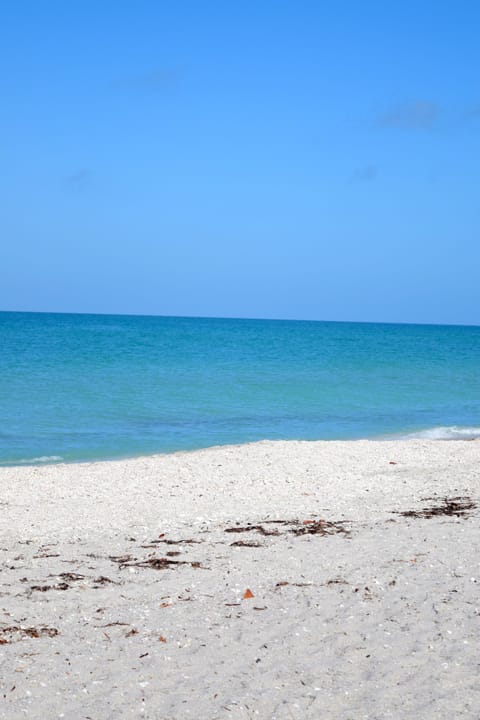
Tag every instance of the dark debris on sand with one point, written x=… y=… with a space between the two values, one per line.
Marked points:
x=14 y=633
x=460 y=506
x=296 y=527
x=155 y=563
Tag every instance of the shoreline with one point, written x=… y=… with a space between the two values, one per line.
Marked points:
x=437 y=434
x=217 y=474
x=124 y=583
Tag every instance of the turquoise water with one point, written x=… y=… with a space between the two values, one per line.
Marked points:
x=82 y=387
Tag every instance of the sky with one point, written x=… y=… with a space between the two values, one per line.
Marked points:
x=270 y=159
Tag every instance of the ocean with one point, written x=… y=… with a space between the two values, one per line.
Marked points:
x=96 y=387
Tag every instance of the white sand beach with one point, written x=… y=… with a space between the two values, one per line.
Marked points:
x=271 y=580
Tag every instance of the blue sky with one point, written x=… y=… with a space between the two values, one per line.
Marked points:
x=256 y=159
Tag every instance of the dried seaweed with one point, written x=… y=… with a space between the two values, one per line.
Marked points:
x=460 y=506
x=187 y=541
x=102 y=580
x=45 y=588
x=15 y=632
x=114 y=624
x=297 y=527
x=284 y=583
x=156 y=563
x=71 y=576
x=249 y=528
x=120 y=559
x=321 y=527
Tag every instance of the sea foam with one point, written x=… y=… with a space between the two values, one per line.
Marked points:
x=41 y=459
x=445 y=433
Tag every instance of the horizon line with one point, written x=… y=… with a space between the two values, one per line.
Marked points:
x=250 y=319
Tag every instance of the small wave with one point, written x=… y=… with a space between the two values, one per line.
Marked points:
x=445 y=433
x=41 y=459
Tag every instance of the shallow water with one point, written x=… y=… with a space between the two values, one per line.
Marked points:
x=83 y=387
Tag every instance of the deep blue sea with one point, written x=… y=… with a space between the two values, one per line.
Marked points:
x=84 y=387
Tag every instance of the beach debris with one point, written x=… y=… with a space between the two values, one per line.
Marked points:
x=248 y=594
x=284 y=583
x=168 y=541
x=460 y=506
x=73 y=577
x=155 y=563
x=46 y=588
x=321 y=527
x=162 y=639
x=120 y=559
x=13 y=633
x=242 y=543
x=297 y=527
x=102 y=580
x=46 y=551
x=114 y=624
x=249 y=528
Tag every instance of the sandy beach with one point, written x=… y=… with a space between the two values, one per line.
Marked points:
x=286 y=580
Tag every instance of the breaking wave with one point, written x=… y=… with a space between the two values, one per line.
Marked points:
x=445 y=433
x=41 y=459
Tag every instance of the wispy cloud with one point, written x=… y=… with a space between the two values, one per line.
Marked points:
x=365 y=174
x=419 y=115
x=78 y=179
